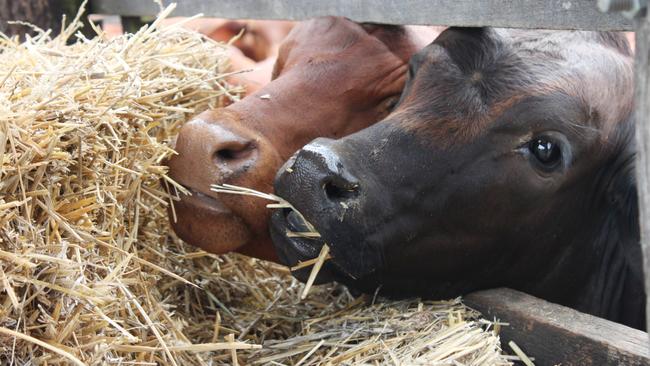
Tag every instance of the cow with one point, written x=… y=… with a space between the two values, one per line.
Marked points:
x=252 y=45
x=508 y=161
x=332 y=77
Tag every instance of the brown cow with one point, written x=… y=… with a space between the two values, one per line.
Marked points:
x=332 y=77
x=252 y=45
x=256 y=48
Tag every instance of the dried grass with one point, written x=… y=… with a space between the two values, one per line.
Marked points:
x=90 y=272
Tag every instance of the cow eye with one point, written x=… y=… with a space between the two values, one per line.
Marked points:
x=546 y=151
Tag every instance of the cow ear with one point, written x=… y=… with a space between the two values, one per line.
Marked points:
x=468 y=47
x=278 y=65
x=369 y=27
x=402 y=42
x=277 y=68
x=413 y=65
x=463 y=37
x=393 y=36
x=372 y=28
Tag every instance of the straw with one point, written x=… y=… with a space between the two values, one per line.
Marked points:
x=84 y=130
x=282 y=203
x=322 y=257
x=522 y=356
x=45 y=345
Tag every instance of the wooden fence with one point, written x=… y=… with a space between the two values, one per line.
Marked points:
x=546 y=14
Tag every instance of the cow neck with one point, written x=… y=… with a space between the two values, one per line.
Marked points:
x=616 y=287
x=601 y=270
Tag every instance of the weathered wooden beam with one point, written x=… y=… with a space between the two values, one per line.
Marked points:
x=545 y=14
x=44 y=14
x=554 y=334
x=642 y=120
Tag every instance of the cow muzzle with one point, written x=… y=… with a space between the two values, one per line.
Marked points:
x=318 y=184
x=214 y=148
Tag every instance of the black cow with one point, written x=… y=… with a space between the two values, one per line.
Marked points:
x=508 y=162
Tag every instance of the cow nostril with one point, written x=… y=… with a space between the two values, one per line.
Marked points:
x=228 y=154
x=235 y=153
x=337 y=192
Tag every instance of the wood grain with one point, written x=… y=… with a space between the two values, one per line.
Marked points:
x=554 y=334
x=642 y=164
x=547 y=14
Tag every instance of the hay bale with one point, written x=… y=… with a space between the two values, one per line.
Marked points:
x=85 y=130
x=90 y=272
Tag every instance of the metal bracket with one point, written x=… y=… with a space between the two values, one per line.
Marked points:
x=629 y=8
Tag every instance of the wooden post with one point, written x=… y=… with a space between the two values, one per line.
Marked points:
x=131 y=24
x=45 y=14
x=642 y=118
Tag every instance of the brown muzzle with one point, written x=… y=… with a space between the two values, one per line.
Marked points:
x=215 y=148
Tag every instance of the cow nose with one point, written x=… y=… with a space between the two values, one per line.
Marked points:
x=339 y=186
x=332 y=180
x=232 y=150
x=211 y=144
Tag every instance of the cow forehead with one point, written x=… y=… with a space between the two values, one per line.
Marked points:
x=462 y=84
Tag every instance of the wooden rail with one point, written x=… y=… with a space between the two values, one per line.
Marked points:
x=546 y=14
x=554 y=334
x=642 y=164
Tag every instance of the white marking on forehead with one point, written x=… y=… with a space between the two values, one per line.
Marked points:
x=326 y=153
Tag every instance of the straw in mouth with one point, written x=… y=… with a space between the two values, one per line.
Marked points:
x=280 y=202
x=318 y=264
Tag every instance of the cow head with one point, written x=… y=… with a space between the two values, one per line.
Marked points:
x=505 y=156
x=333 y=77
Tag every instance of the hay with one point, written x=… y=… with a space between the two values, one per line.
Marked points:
x=318 y=263
x=279 y=203
x=522 y=356
x=89 y=269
